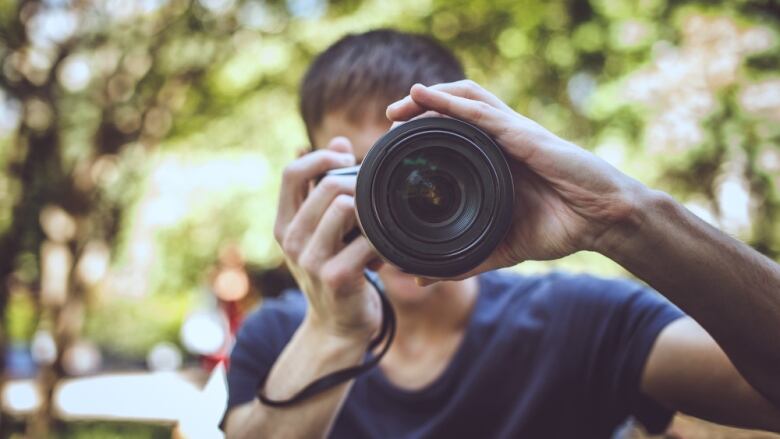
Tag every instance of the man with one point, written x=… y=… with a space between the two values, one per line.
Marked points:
x=499 y=355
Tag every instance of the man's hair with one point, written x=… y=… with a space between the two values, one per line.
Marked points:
x=373 y=68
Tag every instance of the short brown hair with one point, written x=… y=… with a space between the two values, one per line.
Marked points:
x=378 y=66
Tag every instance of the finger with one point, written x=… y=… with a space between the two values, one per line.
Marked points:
x=314 y=207
x=398 y=123
x=328 y=237
x=340 y=144
x=407 y=107
x=478 y=113
x=295 y=182
x=349 y=263
x=376 y=264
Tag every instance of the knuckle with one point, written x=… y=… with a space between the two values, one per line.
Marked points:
x=481 y=110
x=344 y=203
x=309 y=264
x=279 y=233
x=333 y=277
x=291 y=171
x=291 y=247
x=330 y=184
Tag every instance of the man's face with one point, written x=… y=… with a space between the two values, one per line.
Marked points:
x=400 y=286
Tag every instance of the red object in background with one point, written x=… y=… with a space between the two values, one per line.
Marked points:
x=235 y=316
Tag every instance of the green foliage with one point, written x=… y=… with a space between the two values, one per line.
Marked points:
x=21 y=318
x=178 y=139
x=130 y=327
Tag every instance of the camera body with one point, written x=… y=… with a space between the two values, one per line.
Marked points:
x=434 y=196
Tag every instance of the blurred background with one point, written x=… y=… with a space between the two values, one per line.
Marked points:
x=141 y=144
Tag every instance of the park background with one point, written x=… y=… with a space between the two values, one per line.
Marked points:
x=141 y=145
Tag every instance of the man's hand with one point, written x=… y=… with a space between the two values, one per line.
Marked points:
x=343 y=312
x=567 y=198
x=310 y=226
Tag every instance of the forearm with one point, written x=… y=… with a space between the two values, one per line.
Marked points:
x=310 y=354
x=729 y=288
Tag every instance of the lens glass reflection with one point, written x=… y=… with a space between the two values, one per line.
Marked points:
x=429 y=183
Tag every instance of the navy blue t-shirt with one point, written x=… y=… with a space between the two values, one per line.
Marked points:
x=553 y=356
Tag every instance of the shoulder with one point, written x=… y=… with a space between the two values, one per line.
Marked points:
x=262 y=337
x=273 y=323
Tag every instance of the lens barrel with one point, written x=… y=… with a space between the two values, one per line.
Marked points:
x=435 y=196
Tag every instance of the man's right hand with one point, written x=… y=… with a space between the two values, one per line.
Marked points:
x=310 y=226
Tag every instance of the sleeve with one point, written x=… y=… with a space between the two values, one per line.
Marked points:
x=622 y=320
x=261 y=339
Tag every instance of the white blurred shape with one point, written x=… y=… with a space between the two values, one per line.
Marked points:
x=148 y=6
x=757 y=39
x=81 y=358
x=58 y=225
x=20 y=397
x=259 y=16
x=217 y=6
x=208 y=408
x=10 y=113
x=580 y=88
x=75 y=73
x=613 y=151
x=164 y=357
x=93 y=265
x=203 y=333
x=307 y=9
x=769 y=159
x=51 y=26
x=56 y=262
x=120 y=9
x=43 y=348
x=734 y=204
x=762 y=97
x=157 y=397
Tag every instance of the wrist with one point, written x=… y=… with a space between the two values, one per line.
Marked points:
x=626 y=234
x=335 y=338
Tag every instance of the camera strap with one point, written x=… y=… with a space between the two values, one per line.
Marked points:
x=386 y=335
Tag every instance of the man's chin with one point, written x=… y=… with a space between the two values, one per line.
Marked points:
x=402 y=287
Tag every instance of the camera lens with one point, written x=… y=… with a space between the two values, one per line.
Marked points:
x=434 y=196
x=429 y=186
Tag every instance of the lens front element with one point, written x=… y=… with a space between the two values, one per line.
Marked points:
x=433 y=195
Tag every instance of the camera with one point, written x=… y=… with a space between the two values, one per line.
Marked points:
x=434 y=196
